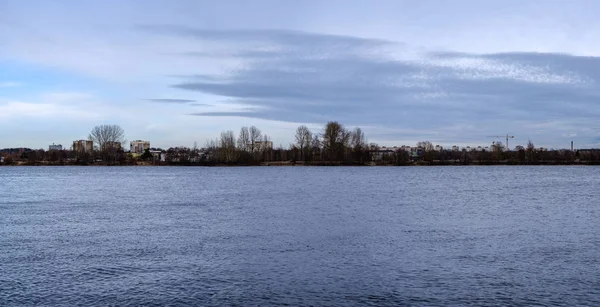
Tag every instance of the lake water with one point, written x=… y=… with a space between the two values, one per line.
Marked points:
x=300 y=235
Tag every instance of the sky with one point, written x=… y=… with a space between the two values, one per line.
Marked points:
x=178 y=72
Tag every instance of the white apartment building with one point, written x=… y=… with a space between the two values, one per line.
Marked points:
x=55 y=147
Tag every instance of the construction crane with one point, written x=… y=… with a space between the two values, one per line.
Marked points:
x=505 y=136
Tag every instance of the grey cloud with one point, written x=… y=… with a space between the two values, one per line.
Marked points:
x=286 y=37
x=306 y=77
x=246 y=54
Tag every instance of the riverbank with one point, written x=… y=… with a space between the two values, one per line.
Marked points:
x=316 y=164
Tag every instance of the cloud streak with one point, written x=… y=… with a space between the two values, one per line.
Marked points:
x=171 y=100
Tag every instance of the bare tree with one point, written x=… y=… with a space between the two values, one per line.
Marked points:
x=426 y=145
x=107 y=135
x=212 y=148
x=244 y=139
x=109 y=139
x=315 y=143
x=335 y=140
x=303 y=138
x=359 y=140
x=212 y=144
x=228 y=145
x=264 y=148
x=254 y=134
x=227 y=139
x=530 y=150
x=195 y=153
x=359 y=144
x=315 y=146
x=530 y=146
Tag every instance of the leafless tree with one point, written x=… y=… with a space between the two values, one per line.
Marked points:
x=212 y=144
x=315 y=143
x=315 y=146
x=359 y=140
x=263 y=149
x=109 y=139
x=426 y=145
x=303 y=138
x=530 y=146
x=244 y=139
x=228 y=145
x=530 y=150
x=195 y=153
x=212 y=147
x=254 y=134
x=358 y=143
x=335 y=140
x=107 y=135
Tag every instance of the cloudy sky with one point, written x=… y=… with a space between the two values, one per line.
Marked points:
x=178 y=72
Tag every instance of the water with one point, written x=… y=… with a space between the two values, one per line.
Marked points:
x=300 y=235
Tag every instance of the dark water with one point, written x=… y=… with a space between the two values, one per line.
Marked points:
x=300 y=236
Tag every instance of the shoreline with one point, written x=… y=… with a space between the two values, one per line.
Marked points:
x=290 y=164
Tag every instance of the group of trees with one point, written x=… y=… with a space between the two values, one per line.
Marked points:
x=334 y=144
x=248 y=146
x=107 y=140
x=494 y=155
x=31 y=156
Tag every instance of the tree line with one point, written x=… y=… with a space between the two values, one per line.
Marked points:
x=334 y=144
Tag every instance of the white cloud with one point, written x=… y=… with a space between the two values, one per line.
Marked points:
x=15 y=110
x=53 y=106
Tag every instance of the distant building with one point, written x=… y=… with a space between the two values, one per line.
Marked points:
x=82 y=146
x=55 y=147
x=263 y=145
x=1 y=159
x=138 y=146
x=382 y=152
x=158 y=155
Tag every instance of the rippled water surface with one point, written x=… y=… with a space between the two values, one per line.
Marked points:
x=300 y=236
